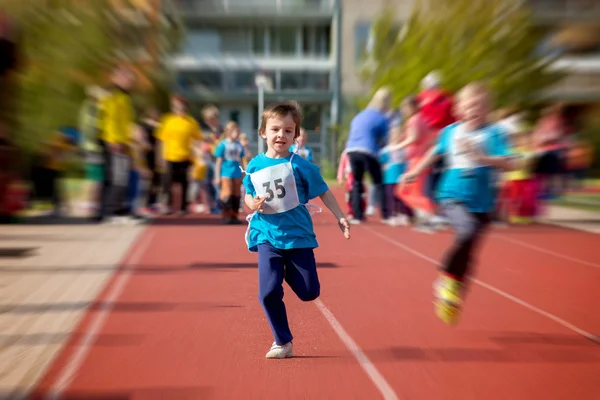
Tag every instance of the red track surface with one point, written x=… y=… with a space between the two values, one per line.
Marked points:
x=188 y=324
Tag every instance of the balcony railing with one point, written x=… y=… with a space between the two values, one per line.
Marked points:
x=188 y=62
x=254 y=7
x=565 y=9
x=243 y=82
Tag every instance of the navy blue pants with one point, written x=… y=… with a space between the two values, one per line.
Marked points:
x=299 y=269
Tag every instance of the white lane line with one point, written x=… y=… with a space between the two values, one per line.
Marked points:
x=549 y=252
x=382 y=385
x=494 y=289
x=84 y=345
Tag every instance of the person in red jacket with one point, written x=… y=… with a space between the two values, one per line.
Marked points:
x=436 y=105
x=436 y=109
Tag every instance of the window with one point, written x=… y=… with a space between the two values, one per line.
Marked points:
x=316 y=40
x=243 y=80
x=234 y=115
x=201 y=41
x=283 y=40
x=201 y=81
x=235 y=40
x=258 y=41
x=304 y=81
x=362 y=33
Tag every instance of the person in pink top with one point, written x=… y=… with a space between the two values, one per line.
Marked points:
x=419 y=139
x=346 y=177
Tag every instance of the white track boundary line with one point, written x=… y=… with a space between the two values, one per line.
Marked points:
x=549 y=252
x=382 y=385
x=494 y=289
x=84 y=345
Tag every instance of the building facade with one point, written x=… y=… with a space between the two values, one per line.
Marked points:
x=291 y=42
x=572 y=28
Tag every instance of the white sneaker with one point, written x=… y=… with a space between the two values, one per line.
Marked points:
x=402 y=220
x=390 y=221
x=354 y=221
x=370 y=211
x=200 y=208
x=277 y=351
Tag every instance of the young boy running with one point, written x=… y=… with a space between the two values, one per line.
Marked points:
x=279 y=185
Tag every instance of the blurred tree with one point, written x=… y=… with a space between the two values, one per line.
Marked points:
x=67 y=46
x=466 y=40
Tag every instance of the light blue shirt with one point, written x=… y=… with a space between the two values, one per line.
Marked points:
x=291 y=229
x=393 y=164
x=232 y=154
x=304 y=152
x=473 y=186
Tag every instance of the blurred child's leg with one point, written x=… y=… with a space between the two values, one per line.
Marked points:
x=235 y=198
x=457 y=262
x=226 y=192
x=349 y=198
x=388 y=204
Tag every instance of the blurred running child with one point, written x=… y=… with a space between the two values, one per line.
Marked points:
x=279 y=185
x=521 y=195
x=346 y=177
x=418 y=140
x=247 y=156
x=393 y=164
x=472 y=150
x=199 y=190
x=301 y=148
x=228 y=175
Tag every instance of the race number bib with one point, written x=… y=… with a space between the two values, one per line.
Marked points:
x=278 y=185
x=233 y=152
x=397 y=156
x=459 y=156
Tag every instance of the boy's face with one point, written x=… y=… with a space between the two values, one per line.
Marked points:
x=279 y=133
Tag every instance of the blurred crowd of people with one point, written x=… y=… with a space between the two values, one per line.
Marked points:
x=386 y=143
x=139 y=166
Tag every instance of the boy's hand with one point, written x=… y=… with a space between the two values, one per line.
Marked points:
x=257 y=203
x=345 y=227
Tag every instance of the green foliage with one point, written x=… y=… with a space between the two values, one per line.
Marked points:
x=65 y=47
x=494 y=41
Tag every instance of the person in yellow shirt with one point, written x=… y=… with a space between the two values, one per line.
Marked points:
x=177 y=134
x=116 y=126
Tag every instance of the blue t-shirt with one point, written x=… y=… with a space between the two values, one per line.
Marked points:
x=393 y=165
x=291 y=229
x=304 y=152
x=462 y=180
x=232 y=154
x=368 y=132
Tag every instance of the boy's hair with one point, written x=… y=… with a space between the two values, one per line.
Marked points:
x=282 y=110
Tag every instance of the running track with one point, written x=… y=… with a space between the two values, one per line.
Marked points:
x=181 y=320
